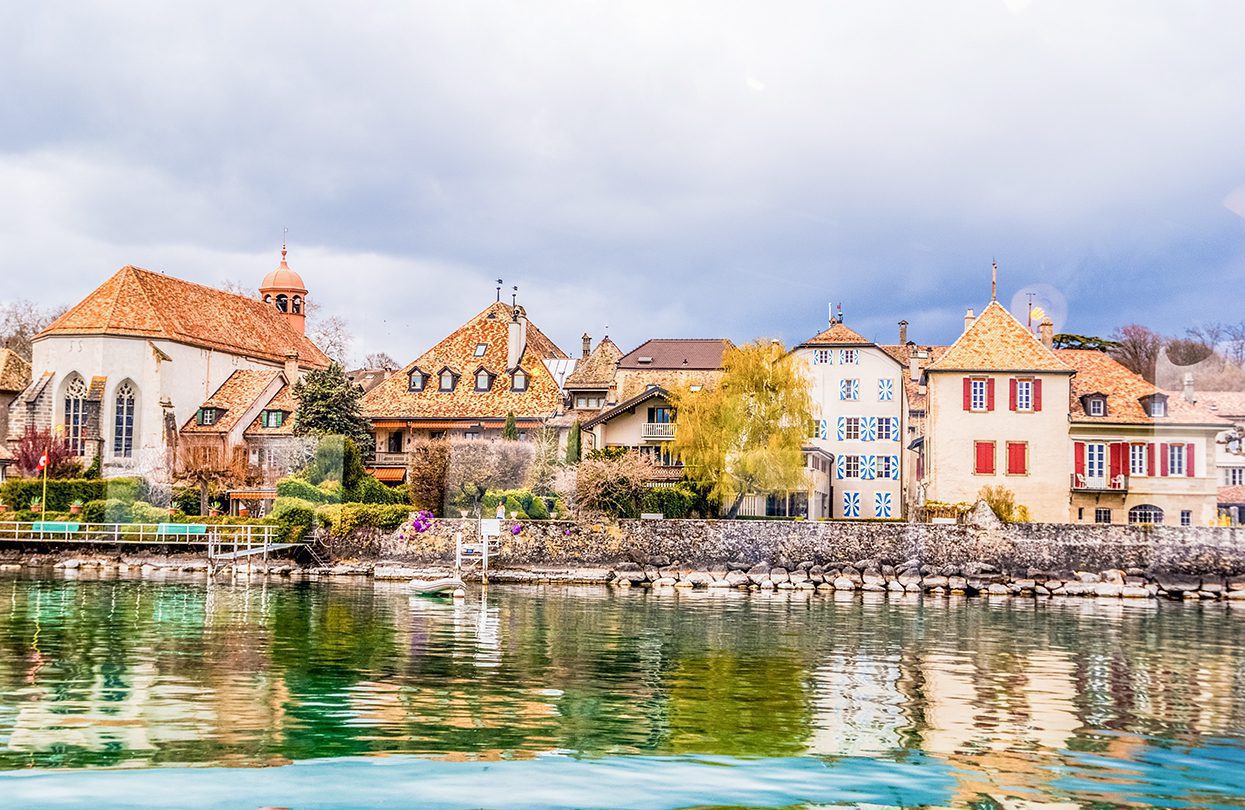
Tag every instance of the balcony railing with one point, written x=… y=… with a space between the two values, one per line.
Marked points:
x=657 y=430
x=384 y=459
x=1086 y=483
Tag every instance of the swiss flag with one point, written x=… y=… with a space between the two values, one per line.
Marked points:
x=43 y=460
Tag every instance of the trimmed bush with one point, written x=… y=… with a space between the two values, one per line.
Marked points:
x=537 y=510
x=117 y=511
x=143 y=512
x=303 y=490
x=294 y=515
x=370 y=490
x=19 y=492
x=673 y=502
x=340 y=519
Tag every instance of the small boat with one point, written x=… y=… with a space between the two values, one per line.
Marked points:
x=450 y=586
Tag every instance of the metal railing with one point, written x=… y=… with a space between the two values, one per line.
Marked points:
x=657 y=430
x=1084 y=483
x=183 y=534
x=389 y=459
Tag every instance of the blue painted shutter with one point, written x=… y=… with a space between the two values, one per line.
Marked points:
x=841 y=431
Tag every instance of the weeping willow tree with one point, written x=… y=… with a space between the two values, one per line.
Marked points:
x=746 y=434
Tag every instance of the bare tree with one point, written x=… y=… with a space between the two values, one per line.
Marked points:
x=1234 y=343
x=479 y=465
x=235 y=287
x=1138 y=348
x=545 y=460
x=1210 y=333
x=21 y=320
x=333 y=337
x=381 y=360
x=205 y=467
x=615 y=486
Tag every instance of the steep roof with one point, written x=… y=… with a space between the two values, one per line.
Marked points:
x=14 y=371
x=839 y=334
x=998 y=342
x=457 y=351
x=283 y=400
x=236 y=395
x=1098 y=373
x=677 y=354
x=606 y=415
x=140 y=303
x=597 y=369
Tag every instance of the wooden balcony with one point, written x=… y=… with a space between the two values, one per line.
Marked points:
x=383 y=459
x=657 y=430
x=1085 y=483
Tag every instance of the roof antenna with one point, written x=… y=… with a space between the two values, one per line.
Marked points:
x=994 y=280
x=1029 y=323
x=514 y=297
x=284 y=232
x=499 y=291
x=840 y=312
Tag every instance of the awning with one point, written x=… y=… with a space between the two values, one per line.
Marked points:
x=388 y=475
x=389 y=424
x=252 y=494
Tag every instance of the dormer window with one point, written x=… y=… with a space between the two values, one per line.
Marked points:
x=644 y=360
x=272 y=419
x=481 y=348
x=1155 y=405
x=447 y=380
x=1096 y=406
x=484 y=380
x=518 y=380
x=416 y=381
x=207 y=416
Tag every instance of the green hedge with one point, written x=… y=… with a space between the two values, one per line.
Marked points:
x=673 y=502
x=369 y=490
x=303 y=490
x=340 y=519
x=62 y=492
x=522 y=502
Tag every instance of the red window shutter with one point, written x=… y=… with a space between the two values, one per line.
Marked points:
x=1162 y=459
x=990 y=394
x=1119 y=452
x=1017 y=463
x=1150 y=459
x=1011 y=393
x=968 y=394
x=984 y=452
x=1190 y=467
x=1037 y=395
x=1079 y=452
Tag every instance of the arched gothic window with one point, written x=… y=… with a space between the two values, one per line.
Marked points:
x=1145 y=513
x=123 y=423
x=267 y=298
x=283 y=303
x=75 y=414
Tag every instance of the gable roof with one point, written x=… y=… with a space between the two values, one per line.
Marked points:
x=283 y=400
x=14 y=371
x=998 y=342
x=543 y=397
x=1227 y=404
x=597 y=369
x=236 y=396
x=652 y=392
x=678 y=353
x=1099 y=373
x=139 y=303
x=839 y=334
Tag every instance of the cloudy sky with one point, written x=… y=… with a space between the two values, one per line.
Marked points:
x=663 y=169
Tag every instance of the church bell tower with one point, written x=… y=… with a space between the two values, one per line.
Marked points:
x=284 y=289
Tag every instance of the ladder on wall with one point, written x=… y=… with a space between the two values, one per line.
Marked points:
x=475 y=553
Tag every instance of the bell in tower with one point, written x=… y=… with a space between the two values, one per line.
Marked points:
x=284 y=289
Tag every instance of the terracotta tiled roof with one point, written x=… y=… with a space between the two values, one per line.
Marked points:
x=368 y=378
x=597 y=369
x=1098 y=373
x=1231 y=495
x=655 y=392
x=283 y=400
x=1228 y=404
x=839 y=334
x=141 y=303
x=676 y=354
x=235 y=397
x=14 y=371
x=998 y=342
x=392 y=399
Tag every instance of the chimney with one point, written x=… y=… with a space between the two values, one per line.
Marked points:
x=1046 y=333
x=1189 y=395
x=914 y=368
x=969 y=317
x=903 y=332
x=292 y=374
x=587 y=344
x=517 y=340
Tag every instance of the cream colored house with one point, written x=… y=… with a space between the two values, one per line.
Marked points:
x=998 y=415
x=858 y=421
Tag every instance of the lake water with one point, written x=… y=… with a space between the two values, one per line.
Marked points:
x=118 y=693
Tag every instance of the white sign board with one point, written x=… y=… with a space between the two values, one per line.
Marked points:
x=490 y=527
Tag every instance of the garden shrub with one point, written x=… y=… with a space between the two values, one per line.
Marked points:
x=340 y=519
x=370 y=490
x=673 y=502
x=19 y=492
x=429 y=460
x=117 y=511
x=143 y=512
x=302 y=489
x=294 y=515
x=537 y=510
x=93 y=511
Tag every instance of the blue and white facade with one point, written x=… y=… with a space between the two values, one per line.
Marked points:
x=858 y=407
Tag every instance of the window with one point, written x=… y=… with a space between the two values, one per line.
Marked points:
x=823 y=357
x=1186 y=517
x=447 y=380
x=395 y=441
x=416 y=381
x=1175 y=459
x=661 y=415
x=272 y=419
x=123 y=422
x=1017 y=458
x=1097 y=406
x=1145 y=513
x=851 y=428
x=849 y=356
x=589 y=402
x=1138 y=461
x=1024 y=395
x=1096 y=462
x=851 y=466
x=886 y=390
x=298 y=305
x=695 y=388
x=884 y=429
x=978 y=391
x=983 y=458
x=206 y=416
x=1156 y=406
x=886 y=468
x=1102 y=515
x=75 y=414
x=849 y=389
x=481 y=348
x=484 y=380
x=471 y=434
x=518 y=381
x=283 y=303
x=1234 y=476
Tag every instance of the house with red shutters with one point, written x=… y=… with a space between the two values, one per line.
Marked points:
x=1139 y=454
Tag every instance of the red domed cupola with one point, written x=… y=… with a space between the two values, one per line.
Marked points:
x=284 y=289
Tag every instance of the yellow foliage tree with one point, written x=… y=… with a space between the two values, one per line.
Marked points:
x=746 y=434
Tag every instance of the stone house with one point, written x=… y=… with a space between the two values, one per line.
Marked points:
x=14 y=377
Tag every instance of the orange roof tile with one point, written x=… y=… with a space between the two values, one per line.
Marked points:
x=838 y=334
x=236 y=395
x=14 y=371
x=283 y=400
x=998 y=342
x=392 y=398
x=1227 y=404
x=1098 y=373
x=141 y=303
x=1231 y=495
x=597 y=369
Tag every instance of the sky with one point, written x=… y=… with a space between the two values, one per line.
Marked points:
x=654 y=169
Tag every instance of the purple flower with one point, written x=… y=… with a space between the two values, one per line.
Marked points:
x=516 y=528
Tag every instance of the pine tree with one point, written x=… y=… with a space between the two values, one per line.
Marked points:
x=511 y=431
x=574 y=446
x=328 y=405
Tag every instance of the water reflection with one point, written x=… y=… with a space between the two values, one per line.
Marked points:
x=1019 y=701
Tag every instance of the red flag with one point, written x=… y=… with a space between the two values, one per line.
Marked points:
x=43 y=460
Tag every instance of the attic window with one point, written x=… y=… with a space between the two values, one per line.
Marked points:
x=481 y=348
x=416 y=381
x=207 y=416
x=694 y=388
x=1096 y=406
x=272 y=419
x=644 y=359
x=484 y=380
x=1157 y=407
x=518 y=380
x=447 y=380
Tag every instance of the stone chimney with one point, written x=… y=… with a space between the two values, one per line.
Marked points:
x=517 y=339
x=969 y=317
x=1189 y=395
x=914 y=368
x=1046 y=333
x=587 y=344
x=903 y=332
x=292 y=373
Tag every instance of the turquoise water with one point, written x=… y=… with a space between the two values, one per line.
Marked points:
x=120 y=693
